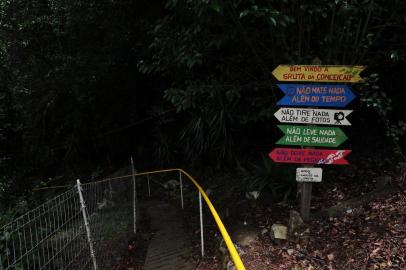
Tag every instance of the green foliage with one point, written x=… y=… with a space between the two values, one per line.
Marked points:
x=88 y=83
x=211 y=50
x=373 y=96
x=66 y=79
x=397 y=130
x=3 y=242
x=209 y=131
x=268 y=14
x=5 y=184
x=268 y=176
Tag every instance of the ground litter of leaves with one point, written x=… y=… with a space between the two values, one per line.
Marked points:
x=372 y=236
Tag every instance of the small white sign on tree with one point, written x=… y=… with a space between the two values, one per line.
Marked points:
x=309 y=174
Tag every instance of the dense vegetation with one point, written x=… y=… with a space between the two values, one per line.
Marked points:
x=85 y=83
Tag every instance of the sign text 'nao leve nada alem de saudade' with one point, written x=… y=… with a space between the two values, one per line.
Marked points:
x=311 y=136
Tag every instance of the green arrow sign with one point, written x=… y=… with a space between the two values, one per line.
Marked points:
x=312 y=136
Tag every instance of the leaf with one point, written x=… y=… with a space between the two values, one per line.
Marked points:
x=244 y=13
x=374 y=252
x=273 y=21
x=216 y=6
x=6 y=236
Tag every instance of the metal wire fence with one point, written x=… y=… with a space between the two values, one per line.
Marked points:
x=110 y=210
x=51 y=236
x=82 y=227
x=77 y=229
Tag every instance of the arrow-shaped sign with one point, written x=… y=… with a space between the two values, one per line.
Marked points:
x=319 y=95
x=313 y=116
x=315 y=73
x=309 y=156
x=311 y=136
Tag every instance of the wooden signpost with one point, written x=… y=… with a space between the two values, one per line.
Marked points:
x=313 y=116
x=313 y=95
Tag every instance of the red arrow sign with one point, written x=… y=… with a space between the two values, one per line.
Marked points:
x=309 y=156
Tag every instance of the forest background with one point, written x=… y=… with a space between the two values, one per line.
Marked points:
x=86 y=84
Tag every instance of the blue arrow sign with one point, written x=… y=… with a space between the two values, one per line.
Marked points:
x=319 y=95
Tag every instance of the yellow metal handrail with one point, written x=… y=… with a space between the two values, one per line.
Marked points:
x=227 y=239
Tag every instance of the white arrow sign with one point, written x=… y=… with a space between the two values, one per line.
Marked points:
x=309 y=174
x=313 y=116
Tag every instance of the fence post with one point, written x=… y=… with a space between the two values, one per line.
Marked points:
x=201 y=224
x=110 y=191
x=181 y=188
x=134 y=196
x=87 y=227
x=149 y=187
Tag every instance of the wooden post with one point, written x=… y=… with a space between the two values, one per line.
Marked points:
x=306 y=194
x=134 y=196
x=305 y=200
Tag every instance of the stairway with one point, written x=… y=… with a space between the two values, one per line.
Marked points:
x=170 y=247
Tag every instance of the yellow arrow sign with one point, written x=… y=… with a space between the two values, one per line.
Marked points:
x=318 y=73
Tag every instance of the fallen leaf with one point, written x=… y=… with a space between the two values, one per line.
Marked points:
x=373 y=253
